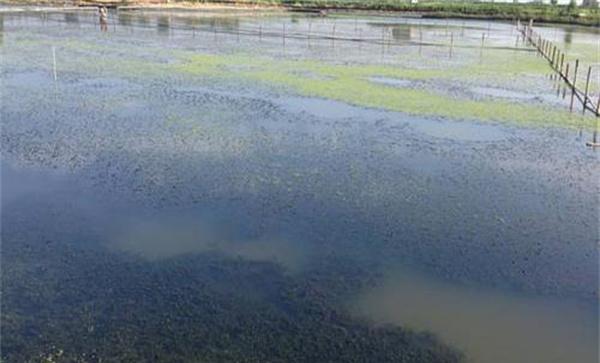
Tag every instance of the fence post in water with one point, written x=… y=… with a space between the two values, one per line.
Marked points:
x=333 y=36
x=574 y=84
x=587 y=88
x=567 y=79
x=420 y=39
x=260 y=32
x=545 y=48
x=382 y=39
x=54 y=63
x=451 y=43
x=481 y=49
x=283 y=35
x=360 y=40
x=562 y=60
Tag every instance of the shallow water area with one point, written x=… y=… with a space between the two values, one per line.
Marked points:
x=490 y=326
x=185 y=178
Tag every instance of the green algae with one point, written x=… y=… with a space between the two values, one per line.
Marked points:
x=342 y=82
x=350 y=84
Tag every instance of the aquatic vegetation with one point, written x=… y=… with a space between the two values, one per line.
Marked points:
x=202 y=308
x=210 y=200
x=339 y=82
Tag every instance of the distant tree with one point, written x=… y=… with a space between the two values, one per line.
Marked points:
x=554 y=2
x=572 y=5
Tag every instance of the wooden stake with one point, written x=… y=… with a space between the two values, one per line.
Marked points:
x=562 y=59
x=451 y=43
x=574 y=84
x=587 y=87
x=567 y=80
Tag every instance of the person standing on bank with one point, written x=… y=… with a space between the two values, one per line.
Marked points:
x=103 y=13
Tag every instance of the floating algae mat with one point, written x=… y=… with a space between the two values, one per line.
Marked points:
x=258 y=186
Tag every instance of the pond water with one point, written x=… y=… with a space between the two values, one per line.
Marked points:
x=205 y=187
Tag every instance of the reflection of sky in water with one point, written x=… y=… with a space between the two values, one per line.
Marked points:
x=491 y=326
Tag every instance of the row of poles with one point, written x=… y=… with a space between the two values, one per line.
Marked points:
x=556 y=59
x=385 y=40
